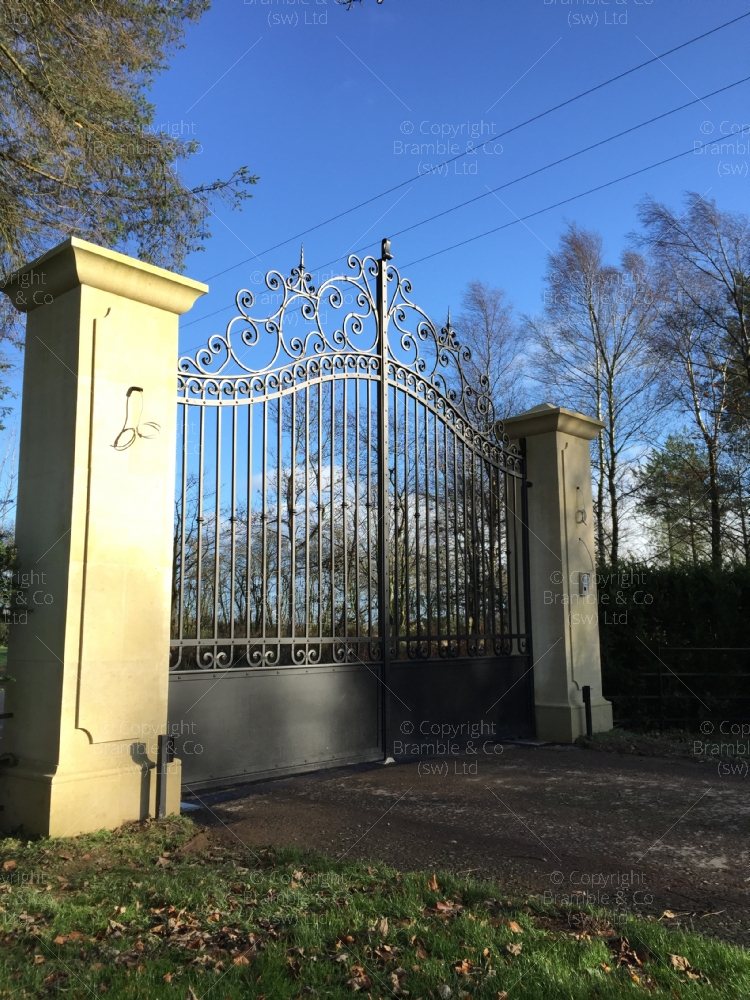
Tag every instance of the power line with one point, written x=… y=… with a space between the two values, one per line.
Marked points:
x=515 y=180
x=494 y=138
x=539 y=170
x=558 y=204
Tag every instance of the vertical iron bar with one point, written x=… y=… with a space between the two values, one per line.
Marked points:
x=264 y=534
x=407 y=496
x=279 y=453
x=383 y=506
x=447 y=565
x=320 y=520
x=417 y=520
x=468 y=619
x=293 y=529
x=217 y=532
x=456 y=562
x=398 y=610
x=199 y=557
x=436 y=447
x=233 y=522
x=183 y=505
x=333 y=530
x=307 y=523
x=249 y=539
x=345 y=510
x=356 y=513
x=369 y=509
x=427 y=547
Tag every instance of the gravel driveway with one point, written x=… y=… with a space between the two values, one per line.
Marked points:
x=564 y=823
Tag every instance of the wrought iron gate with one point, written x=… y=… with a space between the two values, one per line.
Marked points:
x=350 y=534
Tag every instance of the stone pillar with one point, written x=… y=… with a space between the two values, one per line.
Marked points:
x=564 y=625
x=89 y=648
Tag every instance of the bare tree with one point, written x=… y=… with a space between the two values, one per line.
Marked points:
x=487 y=327
x=703 y=336
x=592 y=347
x=694 y=374
x=703 y=256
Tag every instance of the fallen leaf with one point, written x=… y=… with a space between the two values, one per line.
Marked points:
x=679 y=963
x=360 y=980
x=433 y=884
x=605 y=967
x=191 y=994
x=464 y=967
x=59 y=939
x=383 y=927
x=8 y=866
x=38 y=959
x=516 y=928
x=86 y=857
x=167 y=977
x=141 y=969
x=75 y=936
x=65 y=857
x=293 y=968
x=514 y=949
x=668 y=914
x=502 y=995
x=240 y=960
x=96 y=966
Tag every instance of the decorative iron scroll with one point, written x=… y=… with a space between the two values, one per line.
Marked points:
x=225 y=365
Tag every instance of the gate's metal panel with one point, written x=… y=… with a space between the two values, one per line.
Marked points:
x=462 y=700
x=231 y=725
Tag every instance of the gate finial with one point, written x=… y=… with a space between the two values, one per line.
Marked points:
x=302 y=258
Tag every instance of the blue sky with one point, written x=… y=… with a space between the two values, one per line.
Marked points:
x=330 y=107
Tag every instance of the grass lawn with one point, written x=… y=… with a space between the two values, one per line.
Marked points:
x=145 y=912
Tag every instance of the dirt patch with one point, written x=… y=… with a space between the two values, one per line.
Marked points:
x=666 y=837
x=203 y=841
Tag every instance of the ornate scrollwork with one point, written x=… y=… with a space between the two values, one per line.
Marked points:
x=339 y=320
x=274 y=341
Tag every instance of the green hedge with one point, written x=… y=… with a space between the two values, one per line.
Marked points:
x=695 y=620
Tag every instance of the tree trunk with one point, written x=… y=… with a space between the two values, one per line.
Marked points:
x=713 y=479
